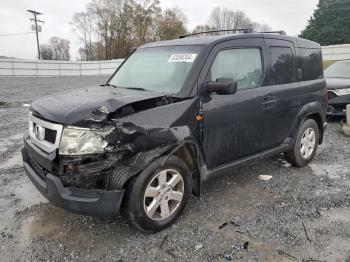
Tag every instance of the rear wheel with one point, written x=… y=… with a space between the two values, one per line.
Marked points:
x=305 y=145
x=156 y=198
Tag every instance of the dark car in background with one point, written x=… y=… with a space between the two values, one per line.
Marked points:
x=338 y=84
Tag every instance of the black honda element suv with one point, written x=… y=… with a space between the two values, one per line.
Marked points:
x=172 y=115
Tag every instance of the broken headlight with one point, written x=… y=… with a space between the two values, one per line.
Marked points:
x=82 y=141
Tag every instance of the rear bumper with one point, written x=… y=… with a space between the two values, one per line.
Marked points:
x=99 y=203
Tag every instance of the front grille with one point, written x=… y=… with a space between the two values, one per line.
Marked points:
x=45 y=135
x=50 y=135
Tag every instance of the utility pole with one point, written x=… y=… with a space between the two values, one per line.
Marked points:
x=36 y=27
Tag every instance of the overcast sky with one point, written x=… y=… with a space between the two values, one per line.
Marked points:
x=287 y=15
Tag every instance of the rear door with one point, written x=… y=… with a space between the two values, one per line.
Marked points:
x=282 y=90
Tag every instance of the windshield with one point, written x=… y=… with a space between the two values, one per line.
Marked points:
x=338 y=70
x=158 y=69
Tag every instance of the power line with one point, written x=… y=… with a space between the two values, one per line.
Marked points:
x=36 y=27
x=25 y=33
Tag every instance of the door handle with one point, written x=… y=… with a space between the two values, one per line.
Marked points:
x=269 y=102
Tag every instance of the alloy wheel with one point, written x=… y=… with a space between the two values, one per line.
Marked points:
x=308 y=143
x=164 y=194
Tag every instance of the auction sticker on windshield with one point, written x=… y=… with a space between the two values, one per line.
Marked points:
x=188 y=58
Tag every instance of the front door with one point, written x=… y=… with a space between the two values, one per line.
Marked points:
x=234 y=125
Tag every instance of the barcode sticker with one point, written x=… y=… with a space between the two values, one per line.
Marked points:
x=178 y=58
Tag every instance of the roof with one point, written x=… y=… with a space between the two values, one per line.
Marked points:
x=213 y=39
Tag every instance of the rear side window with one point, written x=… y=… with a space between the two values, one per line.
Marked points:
x=282 y=61
x=242 y=65
x=311 y=64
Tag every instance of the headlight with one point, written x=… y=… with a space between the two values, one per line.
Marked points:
x=79 y=141
x=343 y=92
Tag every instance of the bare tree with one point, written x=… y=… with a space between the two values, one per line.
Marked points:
x=145 y=14
x=118 y=25
x=202 y=28
x=83 y=24
x=56 y=49
x=103 y=12
x=223 y=18
x=46 y=52
x=115 y=25
x=171 y=24
x=60 y=48
x=122 y=28
x=229 y=19
x=261 y=27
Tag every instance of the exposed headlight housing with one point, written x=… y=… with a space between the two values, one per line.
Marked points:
x=81 y=141
x=343 y=92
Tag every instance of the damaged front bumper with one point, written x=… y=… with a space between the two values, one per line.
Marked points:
x=95 y=202
x=337 y=105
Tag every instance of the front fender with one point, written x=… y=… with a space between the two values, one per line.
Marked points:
x=188 y=150
x=154 y=133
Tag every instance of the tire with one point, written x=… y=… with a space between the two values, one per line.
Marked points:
x=160 y=194
x=297 y=156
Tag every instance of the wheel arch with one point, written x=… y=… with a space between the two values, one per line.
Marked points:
x=318 y=119
x=189 y=152
x=313 y=111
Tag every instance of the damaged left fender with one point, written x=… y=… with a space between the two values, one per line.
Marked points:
x=162 y=131
x=142 y=137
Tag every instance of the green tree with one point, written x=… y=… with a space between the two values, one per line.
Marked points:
x=330 y=23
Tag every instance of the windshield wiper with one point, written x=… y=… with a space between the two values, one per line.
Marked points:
x=135 y=88
x=132 y=88
x=108 y=84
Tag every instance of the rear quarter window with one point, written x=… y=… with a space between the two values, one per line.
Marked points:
x=311 y=64
x=282 y=65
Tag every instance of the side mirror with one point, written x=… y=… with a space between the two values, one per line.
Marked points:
x=222 y=86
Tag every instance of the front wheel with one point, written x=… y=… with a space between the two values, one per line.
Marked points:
x=305 y=145
x=155 y=198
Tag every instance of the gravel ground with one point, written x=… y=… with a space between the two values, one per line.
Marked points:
x=301 y=214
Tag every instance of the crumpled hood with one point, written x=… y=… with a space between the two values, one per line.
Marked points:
x=337 y=83
x=77 y=106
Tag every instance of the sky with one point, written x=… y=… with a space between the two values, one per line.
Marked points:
x=291 y=16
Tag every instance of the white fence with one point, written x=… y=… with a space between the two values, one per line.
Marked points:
x=14 y=67
x=336 y=52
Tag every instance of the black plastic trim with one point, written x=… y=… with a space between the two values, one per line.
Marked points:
x=87 y=202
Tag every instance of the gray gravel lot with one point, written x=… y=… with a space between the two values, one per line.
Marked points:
x=299 y=215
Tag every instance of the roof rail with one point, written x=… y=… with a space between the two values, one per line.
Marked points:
x=241 y=30
x=281 y=32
